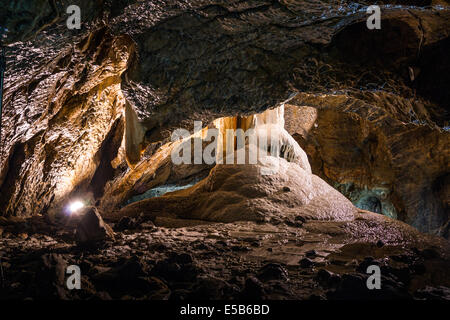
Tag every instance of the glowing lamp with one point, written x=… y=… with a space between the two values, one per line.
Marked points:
x=75 y=206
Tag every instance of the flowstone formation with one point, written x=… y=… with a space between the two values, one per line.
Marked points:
x=279 y=184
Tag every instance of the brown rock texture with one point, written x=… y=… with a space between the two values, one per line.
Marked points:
x=58 y=119
x=92 y=229
x=84 y=108
x=242 y=192
x=367 y=152
x=229 y=261
x=363 y=128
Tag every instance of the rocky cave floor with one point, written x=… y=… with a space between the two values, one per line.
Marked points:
x=179 y=259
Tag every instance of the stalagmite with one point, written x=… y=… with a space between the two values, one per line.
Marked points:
x=267 y=137
x=134 y=136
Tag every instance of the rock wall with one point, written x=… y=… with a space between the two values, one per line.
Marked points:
x=85 y=107
x=57 y=118
x=380 y=162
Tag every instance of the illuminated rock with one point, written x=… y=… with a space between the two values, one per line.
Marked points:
x=385 y=163
x=83 y=107
x=272 y=187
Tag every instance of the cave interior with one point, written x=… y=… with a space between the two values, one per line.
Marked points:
x=122 y=140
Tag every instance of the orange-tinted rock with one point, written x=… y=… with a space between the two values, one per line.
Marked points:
x=371 y=153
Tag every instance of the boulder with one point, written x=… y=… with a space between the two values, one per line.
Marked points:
x=93 y=229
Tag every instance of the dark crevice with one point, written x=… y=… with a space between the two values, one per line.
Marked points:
x=433 y=81
x=8 y=186
x=107 y=152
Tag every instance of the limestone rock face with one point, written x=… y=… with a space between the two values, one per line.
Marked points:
x=272 y=189
x=92 y=229
x=62 y=123
x=88 y=114
x=83 y=108
x=383 y=163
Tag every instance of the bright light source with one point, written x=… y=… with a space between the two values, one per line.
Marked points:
x=75 y=206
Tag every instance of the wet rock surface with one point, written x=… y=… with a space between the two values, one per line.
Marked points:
x=199 y=262
x=88 y=114
x=375 y=162
x=138 y=69
x=242 y=192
